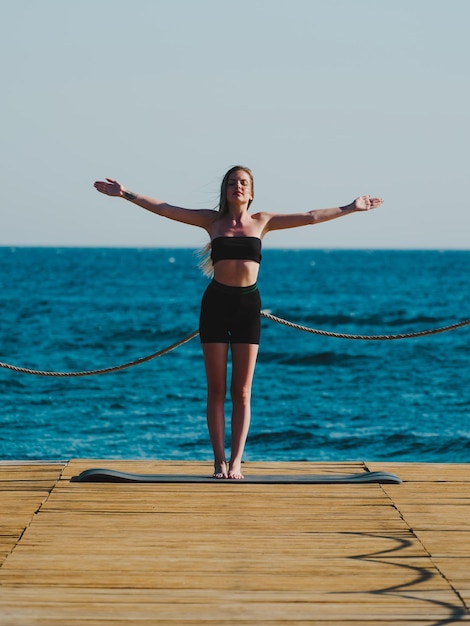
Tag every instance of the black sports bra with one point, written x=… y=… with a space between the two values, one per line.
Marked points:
x=239 y=248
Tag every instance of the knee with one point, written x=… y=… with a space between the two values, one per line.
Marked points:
x=240 y=395
x=216 y=392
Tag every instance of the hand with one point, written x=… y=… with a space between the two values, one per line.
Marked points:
x=365 y=203
x=110 y=187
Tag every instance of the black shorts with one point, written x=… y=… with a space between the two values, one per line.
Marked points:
x=230 y=314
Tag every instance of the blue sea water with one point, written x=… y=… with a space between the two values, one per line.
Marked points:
x=314 y=398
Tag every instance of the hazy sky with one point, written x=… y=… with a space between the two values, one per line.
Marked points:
x=324 y=99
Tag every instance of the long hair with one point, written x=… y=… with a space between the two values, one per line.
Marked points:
x=205 y=263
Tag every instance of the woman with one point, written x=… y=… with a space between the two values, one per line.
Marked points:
x=230 y=310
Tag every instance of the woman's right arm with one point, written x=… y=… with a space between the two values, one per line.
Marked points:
x=194 y=217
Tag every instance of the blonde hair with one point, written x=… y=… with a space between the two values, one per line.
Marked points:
x=205 y=263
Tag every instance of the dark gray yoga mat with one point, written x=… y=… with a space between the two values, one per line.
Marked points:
x=99 y=475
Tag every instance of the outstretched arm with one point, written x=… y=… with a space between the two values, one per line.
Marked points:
x=202 y=218
x=279 y=221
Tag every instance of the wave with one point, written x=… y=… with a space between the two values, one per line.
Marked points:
x=341 y=359
x=376 y=320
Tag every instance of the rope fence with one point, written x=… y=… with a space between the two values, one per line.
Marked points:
x=326 y=333
x=105 y=370
x=266 y=315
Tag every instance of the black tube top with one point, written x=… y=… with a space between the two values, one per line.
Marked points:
x=239 y=248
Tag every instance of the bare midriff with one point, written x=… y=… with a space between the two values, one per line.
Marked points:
x=236 y=272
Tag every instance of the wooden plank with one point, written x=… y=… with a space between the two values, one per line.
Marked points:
x=23 y=490
x=238 y=553
x=425 y=472
x=448 y=542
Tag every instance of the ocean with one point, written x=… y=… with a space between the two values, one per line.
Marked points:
x=315 y=398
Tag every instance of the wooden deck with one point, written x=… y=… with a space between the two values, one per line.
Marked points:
x=233 y=553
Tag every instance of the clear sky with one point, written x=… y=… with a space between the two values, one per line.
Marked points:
x=325 y=100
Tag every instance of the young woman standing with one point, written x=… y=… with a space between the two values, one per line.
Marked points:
x=231 y=305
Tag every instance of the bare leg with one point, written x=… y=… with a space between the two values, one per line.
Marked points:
x=243 y=368
x=215 y=360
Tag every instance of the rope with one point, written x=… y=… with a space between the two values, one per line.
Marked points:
x=106 y=370
x=326 y=333
x=273 y=318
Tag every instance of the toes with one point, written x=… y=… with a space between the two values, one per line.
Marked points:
x=219 y=474
x=235 y=476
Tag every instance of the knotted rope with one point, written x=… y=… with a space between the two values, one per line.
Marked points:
x=324 y=333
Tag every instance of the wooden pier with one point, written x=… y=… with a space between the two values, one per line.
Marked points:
x=231 y=552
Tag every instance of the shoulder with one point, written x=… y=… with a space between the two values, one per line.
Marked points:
x=210 y=213
x=262 y=217
x=206 y=216
x=262 y=222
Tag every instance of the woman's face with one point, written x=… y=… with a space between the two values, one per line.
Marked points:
x=239 y=187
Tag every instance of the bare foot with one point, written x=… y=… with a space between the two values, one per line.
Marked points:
x=235 y=471
x=220 y=469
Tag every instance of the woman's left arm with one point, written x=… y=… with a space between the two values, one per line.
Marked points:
x=279 y=221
